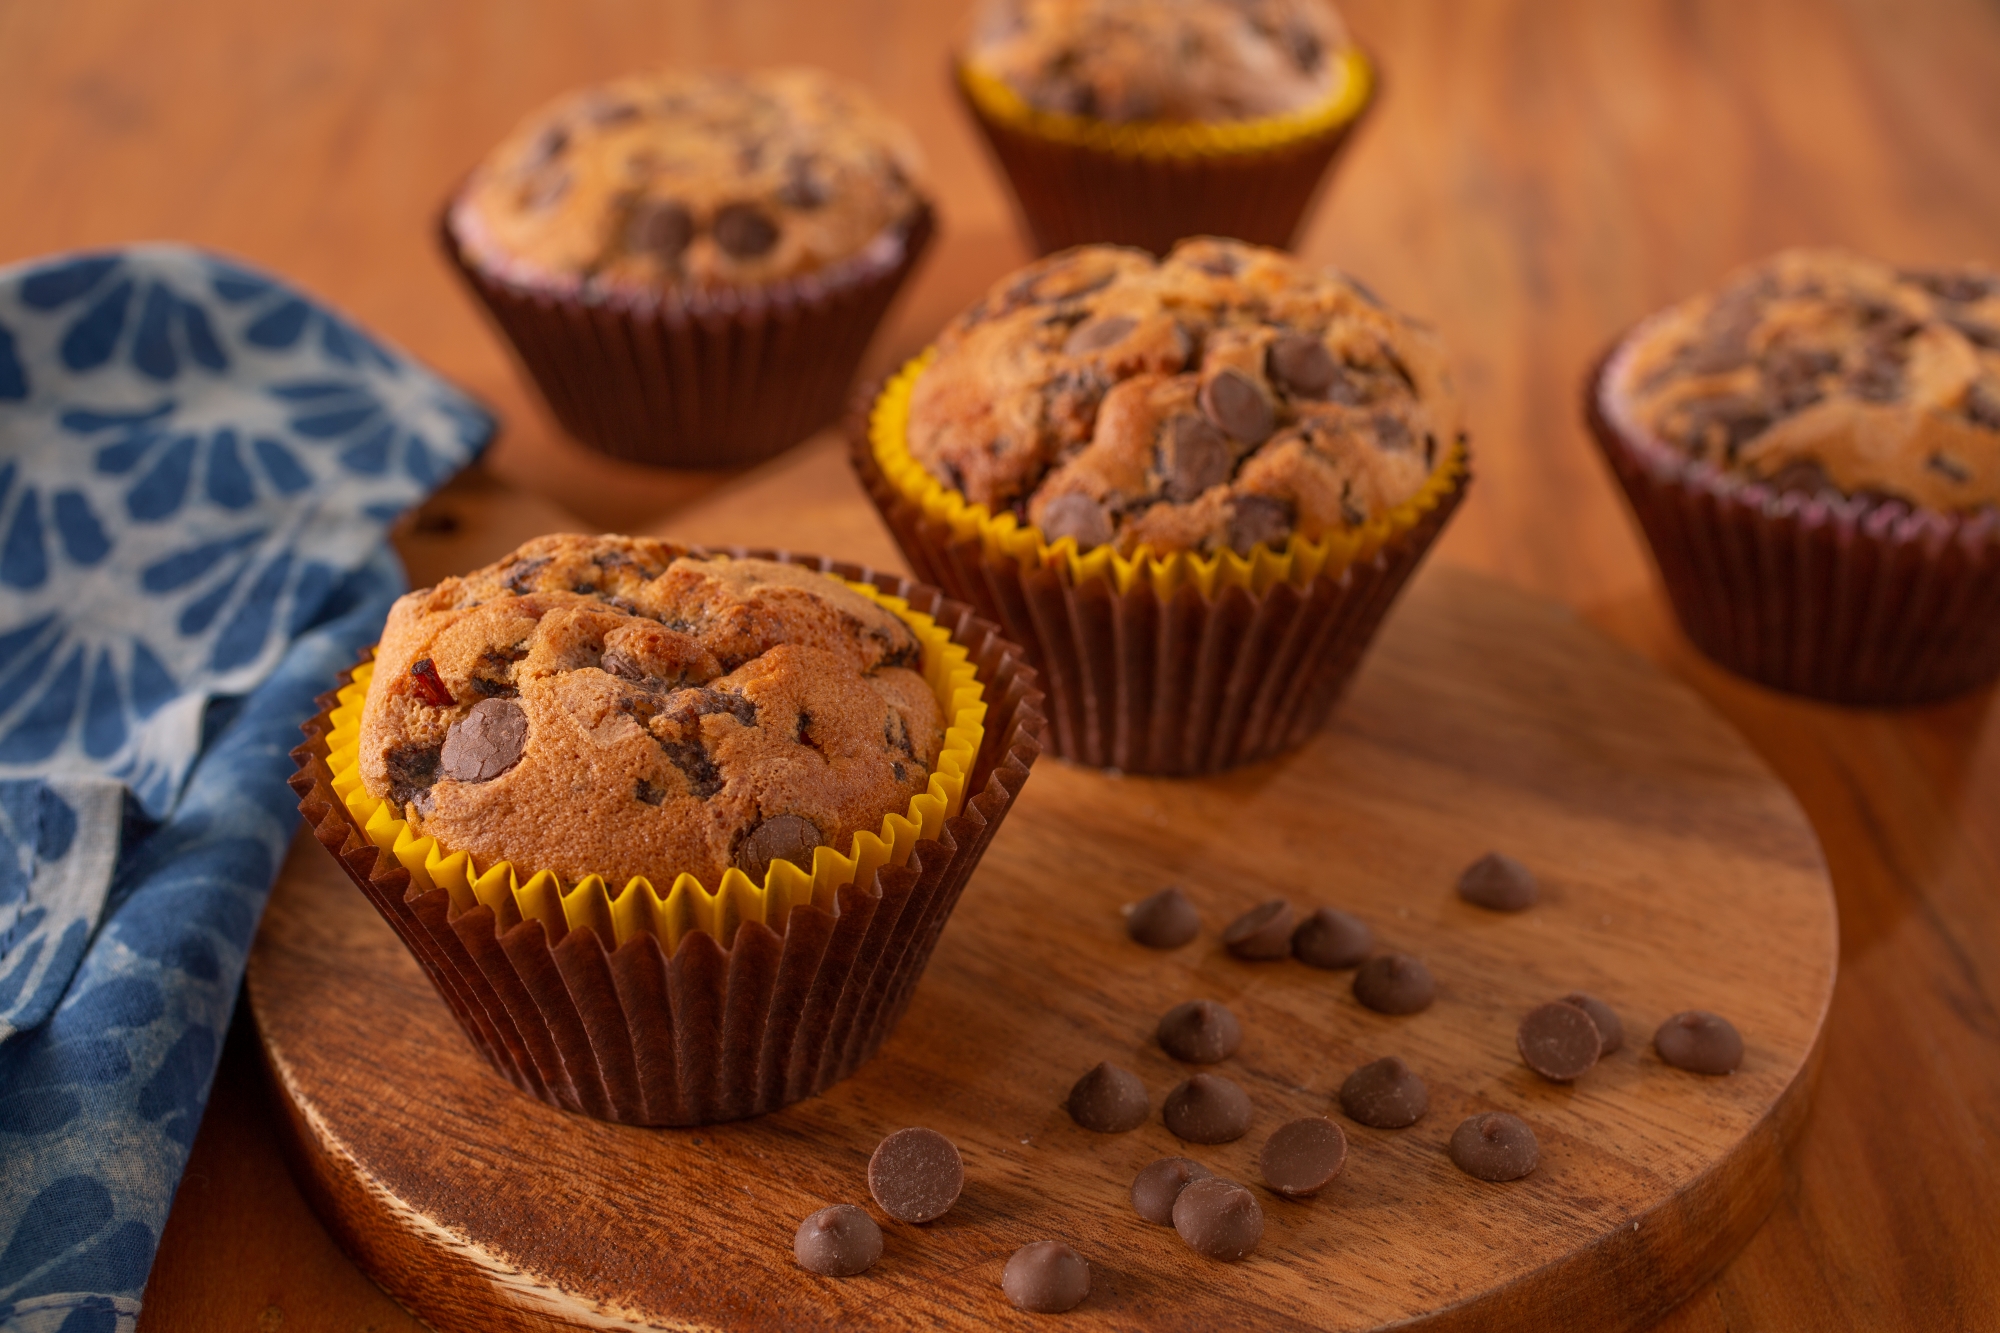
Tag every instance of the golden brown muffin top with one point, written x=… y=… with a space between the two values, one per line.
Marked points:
x=1823 y=370
x=615 y=706
x=696 y=180
x=1224 y=396
x=1160 y=60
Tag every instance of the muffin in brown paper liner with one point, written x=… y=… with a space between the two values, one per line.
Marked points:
x=1175 y=687
x=719 y=1030
x=1853 y=600
x=1089 y=186
x=713 y=379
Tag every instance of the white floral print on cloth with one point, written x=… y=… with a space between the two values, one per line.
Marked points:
x=197 y=469
x=191 y=458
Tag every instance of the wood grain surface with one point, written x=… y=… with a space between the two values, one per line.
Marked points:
x=1676 y=874
x=1538 y=174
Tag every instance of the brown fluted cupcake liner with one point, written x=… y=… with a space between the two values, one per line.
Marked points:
x=719 y=1030
x=1077 y=194
x=710 y=380
x=1171 y=687
x=1851 y=600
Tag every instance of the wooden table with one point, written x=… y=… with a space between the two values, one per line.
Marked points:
x=1539 y=173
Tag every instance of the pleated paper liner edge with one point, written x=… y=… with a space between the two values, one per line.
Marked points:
x=1845 y=600
x=705 y=1034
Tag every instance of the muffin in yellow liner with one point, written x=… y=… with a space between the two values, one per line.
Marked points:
x=687 y=905
x=698 y=1006
x=1079 y=179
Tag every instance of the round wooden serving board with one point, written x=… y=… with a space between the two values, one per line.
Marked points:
x=1676 y=873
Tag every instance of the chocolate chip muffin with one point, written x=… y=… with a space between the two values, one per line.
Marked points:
x=1819 y=370
x=617 y=706
x=1121 y=61
x=1225 y=397
x=697 y=180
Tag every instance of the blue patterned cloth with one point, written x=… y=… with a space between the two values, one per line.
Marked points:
x=197 y=467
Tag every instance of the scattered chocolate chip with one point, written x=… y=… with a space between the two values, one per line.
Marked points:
x=1498 y=883
x=1982 y=405
x=1384 y=1094
x=1046 y=1277
x=1076 y=516
x=1301 y=365
x=1957 y=287
x=743 y=230
x=649 y=792
x=1156 y=1187
x=1233 y=401
x=1495 y=1146
x=1207 y=1108
x=1200 y=1032
x=1219 y=1218
x=1259 y=518
x=1558 y=1041
x=1164 y=920
x=1262 y=933
x=841 y=1241
x=1610 y=1032
x=485 y=743
x=916 y=1175
x=547 y=147
x=1977 y=333
x=1331 y=938
x=1192 y=456
x=1725 y=425
x=1699 y=1042
x=430 y=686
x=802 y=189
x=1948 y=467
x=1300 y=1158
x=779 y=838
x=1394 y=983
x=412 y=768
x=661 y=228
x=1109 y=1100
x=1305 y=46
x=1097 y=334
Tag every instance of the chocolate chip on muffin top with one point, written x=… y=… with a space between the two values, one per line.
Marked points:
x=616 y=706
x=691 y=180
x=1223 y=397
x=1160 y=60
x=1819 y=370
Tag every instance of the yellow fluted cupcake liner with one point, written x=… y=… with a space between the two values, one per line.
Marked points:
x=1354 y=82
x=1299 y=561
x=688 y=905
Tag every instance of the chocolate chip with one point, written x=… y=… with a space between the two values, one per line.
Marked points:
x=1384 y=1094
x=1259 y=518
x=1156 y=1187
x=1725 y=425
x=1233 y=401
x=1610 y=1032
x=1076 y=516
x=430 y=686
x=1262 y=933
x=1165 y=920
x=1200 y=1032
x=841 y=1241
x=1699 y=1042
x=1219 y=1218
x=1331 y=938
x=1495 y=1146
x=547 y=147
x=661 y=228
x=1394 y=983
x=802 y=189
x=744 y=231
x=1982 y=405
x=651 y=793
x=1193 y=456
x=692 y=758
x=1299 y=1159
x=411 y=768
x=1392 y=433
x=1958 y=287
x=1498 y=883
x=1109 y=1100
x=779 y=838
x=1803 y=476
x=485 y=743
x=1975 y=332
x=1948 y=467
x=1558 y=1041
x=1046 y=1277
x=1207 y=1108
x=1097 y=334
x=1301 y=365
x=916 y=1175
x=1305 y=47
